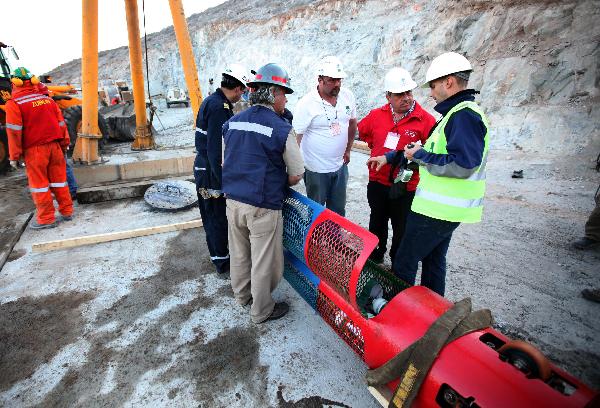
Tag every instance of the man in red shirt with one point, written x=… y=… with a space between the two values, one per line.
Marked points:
x=37 y=133
x=391 y=127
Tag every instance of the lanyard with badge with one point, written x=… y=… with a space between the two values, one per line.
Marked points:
x=393 y=137
x=334 y=124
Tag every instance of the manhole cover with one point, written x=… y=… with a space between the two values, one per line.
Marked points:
x=171 y=195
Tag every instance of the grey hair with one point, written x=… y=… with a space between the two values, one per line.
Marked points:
x=263 y=94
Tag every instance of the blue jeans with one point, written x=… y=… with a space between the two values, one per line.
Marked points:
x=328 y=189
x=71 y=178
x=425 y=240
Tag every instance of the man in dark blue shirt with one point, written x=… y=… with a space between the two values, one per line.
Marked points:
x=262 y=159
x=214 y=112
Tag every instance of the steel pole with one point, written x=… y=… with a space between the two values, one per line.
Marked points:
x=86 y=146
x=187 y=55
x=143 y=137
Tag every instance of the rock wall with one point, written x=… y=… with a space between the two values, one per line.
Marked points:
x=536 y=62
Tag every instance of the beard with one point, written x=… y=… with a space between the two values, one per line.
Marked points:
x=335 y=92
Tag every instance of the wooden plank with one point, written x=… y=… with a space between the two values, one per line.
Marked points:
x=382 y=394
x=113 y=236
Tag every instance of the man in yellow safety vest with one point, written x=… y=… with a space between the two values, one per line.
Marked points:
x=452 y=167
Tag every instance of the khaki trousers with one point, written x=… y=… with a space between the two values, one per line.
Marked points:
x=256 y=255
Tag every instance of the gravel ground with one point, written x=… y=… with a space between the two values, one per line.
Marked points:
x=145 y=321
x=518 y=261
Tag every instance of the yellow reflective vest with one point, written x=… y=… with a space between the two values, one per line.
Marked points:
x=447 y=198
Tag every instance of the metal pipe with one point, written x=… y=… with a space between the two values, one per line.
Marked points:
x=143 y=137
x=187 y=54
x=86 y=146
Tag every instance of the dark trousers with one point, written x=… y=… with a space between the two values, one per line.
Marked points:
x=592 y=226
x=384 y=209
x=212 y=211
x=425 y=240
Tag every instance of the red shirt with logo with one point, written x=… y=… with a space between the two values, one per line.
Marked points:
x=378 y=126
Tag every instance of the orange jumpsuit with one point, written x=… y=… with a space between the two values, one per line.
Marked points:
x=37 y=132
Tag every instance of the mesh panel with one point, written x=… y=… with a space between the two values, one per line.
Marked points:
x=300 y=282
x=389 y=282
x=332 y=253
x=341 y=323
x=297 y=218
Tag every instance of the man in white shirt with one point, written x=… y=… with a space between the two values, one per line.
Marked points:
x=325 y=123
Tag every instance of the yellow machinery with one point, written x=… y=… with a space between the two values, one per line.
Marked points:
x=5 y=88
x=86 y=148
x=114 y=122
x=90 y=125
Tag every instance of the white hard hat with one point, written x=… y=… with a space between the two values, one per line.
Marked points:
x=446 y=64
x=398 y=80
x=332 y=67
x=239 y=72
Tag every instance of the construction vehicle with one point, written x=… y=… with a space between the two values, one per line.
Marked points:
x=5 y=88
x=176 y=96
x=116 y=122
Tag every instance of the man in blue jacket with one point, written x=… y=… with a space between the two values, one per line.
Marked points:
x=261 y=160
x=213 y=113
x=452 y=168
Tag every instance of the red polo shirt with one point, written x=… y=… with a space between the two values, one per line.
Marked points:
x=375 y=127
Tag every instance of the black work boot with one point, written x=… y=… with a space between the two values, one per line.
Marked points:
x=37 y=226
x=280 y=310
x=584 y=243
x=591 y=294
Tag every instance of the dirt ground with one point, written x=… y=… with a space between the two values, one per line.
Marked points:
x=518 y=261
x=15 y=206
x=145 y=321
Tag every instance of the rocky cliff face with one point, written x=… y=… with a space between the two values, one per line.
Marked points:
x=536 y=61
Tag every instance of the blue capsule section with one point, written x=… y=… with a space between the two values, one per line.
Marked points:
x=301 y=278
x=299 y=212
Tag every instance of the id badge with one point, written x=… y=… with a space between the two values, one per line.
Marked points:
x=391 y=141
x=336 y=130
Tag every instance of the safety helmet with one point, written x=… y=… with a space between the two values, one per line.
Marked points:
x=331 y=67
x=21 y=74
x=238 y=72
x=398 y=80
x=446 y=64
x=272 y=74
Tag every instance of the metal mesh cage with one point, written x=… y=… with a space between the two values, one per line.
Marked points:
x=341 y=323
x=298 y=215
x=332 y=253
x=390 y=284
x=299 y=277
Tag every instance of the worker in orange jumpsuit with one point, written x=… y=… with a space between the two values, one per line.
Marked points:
x=37 y=134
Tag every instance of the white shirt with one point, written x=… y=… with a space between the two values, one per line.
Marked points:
x=324 y=129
